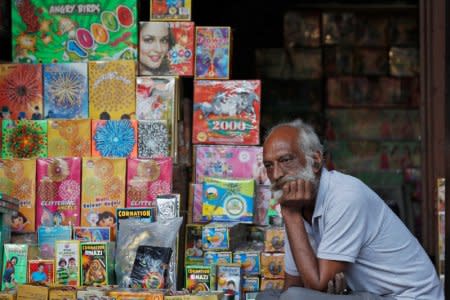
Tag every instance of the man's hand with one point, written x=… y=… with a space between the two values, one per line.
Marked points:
x=338 y=285
x=296 y=193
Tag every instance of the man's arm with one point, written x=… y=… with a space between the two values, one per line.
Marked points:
x=290 y=281
x=316 y=273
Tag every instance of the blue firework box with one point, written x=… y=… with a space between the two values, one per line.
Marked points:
x=114 y=138
x=249 y=260
x=228 y=199
x=217 y=257
x=223 y=235
x=66 y=91
x=92 y=234
x=47 y=237
x=250 y=284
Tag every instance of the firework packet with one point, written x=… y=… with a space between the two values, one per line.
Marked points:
x=226 y=112
x=24 y=139
x=170 y=10
x=97 y=263
x=114 y=138
x=92 y=234
x=146 y=179
x=68 y=138
x=18 y=179
x=193 y=245
x=153 y=139
x=66 y=91
x=58 y=191
x=145 y=214
x=135 y=233
x=229 y=279
x=47 y=236
x=15 y=259
x=41 y=271
x=272 y=265
x=150 y=268
x=67 y=263
x=223 y=235
x=199 y=278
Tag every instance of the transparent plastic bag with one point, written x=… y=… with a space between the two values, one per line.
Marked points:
x=133 y=234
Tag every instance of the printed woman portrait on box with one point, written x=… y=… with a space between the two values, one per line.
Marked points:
x=155 y=40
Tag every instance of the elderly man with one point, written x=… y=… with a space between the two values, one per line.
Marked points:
x=336 y=224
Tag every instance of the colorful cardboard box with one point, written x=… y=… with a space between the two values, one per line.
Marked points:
x=199 y=278
x=147 y=214
x=103 y=190
x=58 y=191
x=66 y=91
x=47 y=237
x=112 y=91
x=147 y=178
x=213 y=258
x=24 y=139
x=62 y=293
x=58 y=31
x=114 y=138
x=153 y=139
x=67 y=263
x=97 y=266
x=228 y=199
x=170 y=10
x=92 y=234
x=223 y=236
x=155 y=97
x=193 y=245
x=32 y=292
x=21 y=91
x=249 y=260
x=145 y=294
x=176 y=54
x=250 y=284
x=229 y=279
x=226 y=112
x=221 y=161
x=68 y=138
x=274 y=238
x=268 y=283
x=41 y=271
x=18 y=179
x=272 y=265
x=212 y=52
x=15 y=259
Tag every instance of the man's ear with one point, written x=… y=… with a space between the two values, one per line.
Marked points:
x=318 y=160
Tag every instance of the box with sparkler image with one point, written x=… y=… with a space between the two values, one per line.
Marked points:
x=114 y=138
x=97 y=263
x=229 y=279
x=212 y=52
x=18 y=180
x=67 y=263
x=24 y=138
x=228 y=199
x=21 y=91
x=199 y=278
x=223 y=235
x=66 y=91
x=249 y=260
x=274 y=238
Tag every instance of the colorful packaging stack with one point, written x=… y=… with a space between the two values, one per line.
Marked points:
x=272 y=259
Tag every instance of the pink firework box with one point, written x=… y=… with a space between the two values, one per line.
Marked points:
x=147 y=178
x=238 y=162
x=58 y=191
x=226 y=112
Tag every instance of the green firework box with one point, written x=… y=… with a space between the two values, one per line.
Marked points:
x=14 y=265
x=50 y=31
x=97 y=264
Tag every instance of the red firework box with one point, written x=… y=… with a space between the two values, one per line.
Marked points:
x=170 y=10
x=67 y=138
x=21 y=91
x=226 y=112
x=58 y=191
x=114 y=138
x=146 y=179
x=178 y=55
x=18 y=179
x=41 y=271
x=103 y=190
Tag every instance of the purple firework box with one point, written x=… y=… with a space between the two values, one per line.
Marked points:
x=237 y=162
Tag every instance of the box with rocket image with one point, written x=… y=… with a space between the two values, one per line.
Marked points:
x=226 y=112
x=73 y=31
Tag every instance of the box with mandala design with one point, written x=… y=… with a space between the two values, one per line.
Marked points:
x=18 y=179
x=24 y=139
x=146 y=179
x=58 y=191
x=68 y=138
x=114 y=138
x=103 y=190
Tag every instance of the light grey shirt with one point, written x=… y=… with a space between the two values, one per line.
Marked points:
x=351 y=223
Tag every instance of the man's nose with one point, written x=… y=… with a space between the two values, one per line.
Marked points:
x=277 y=172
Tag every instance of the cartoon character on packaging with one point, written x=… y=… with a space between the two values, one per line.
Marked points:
x=18 y=222
x=106 y=219
x=8 y=275
x=96 y=274
x=62 y=272
x=72 y=271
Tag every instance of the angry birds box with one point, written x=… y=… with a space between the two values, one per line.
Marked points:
x=97 y=263
x=68 y=31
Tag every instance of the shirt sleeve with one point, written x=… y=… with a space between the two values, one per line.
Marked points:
x=345 y=226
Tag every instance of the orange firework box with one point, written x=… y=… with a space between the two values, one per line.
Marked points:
x=272 y=265
x=103 y=190
x=21 y=91
x=114 y=138
x=274 y=239
x=136 y=294
x=68 y=138
x=18 y=179
x=226 y=112
x=267 y=283
x=112 y=89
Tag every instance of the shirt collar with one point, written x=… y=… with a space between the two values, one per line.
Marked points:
x=323 y=188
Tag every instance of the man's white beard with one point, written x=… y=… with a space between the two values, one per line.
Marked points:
x=306 y=174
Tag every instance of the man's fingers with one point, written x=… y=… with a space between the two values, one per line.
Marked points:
x=340 y=283
x=308 y=189
x=330 y=288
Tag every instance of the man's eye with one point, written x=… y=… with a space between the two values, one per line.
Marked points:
x=267 y=166
x=285 y=160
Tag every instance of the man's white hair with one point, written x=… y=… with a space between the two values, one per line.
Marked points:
x=308 y=140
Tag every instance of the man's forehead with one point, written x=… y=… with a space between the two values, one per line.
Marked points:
x=281 y=141
x=282 y=134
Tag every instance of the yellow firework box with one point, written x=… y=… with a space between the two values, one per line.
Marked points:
x=103 y=190
x=18 y=179
x=136 y=294
x=63 y=293
x=68 y=138
x=32 y=292
x=112 y=92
